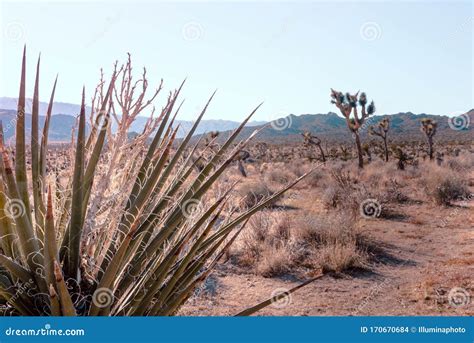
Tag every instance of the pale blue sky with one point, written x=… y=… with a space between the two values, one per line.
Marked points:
x=287 y=54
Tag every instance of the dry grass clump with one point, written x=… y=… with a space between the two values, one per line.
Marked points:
x=274 y=244
x=298 y=168
x=279 y=176
x=443 y=185
x=345 y=191
x=275 y=261
x=252 y=193
x=265 y=244
x=393 y=193
x=315 y=179
x=349 y=189
x=336 y=245
x=340 y=256
x=338 y=186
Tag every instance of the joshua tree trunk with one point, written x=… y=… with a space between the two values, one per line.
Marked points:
x=386 y=148
x=359 y=149
x=401 y=165
x=430 y=147
x=310 y=141
x=322 y=153
x=428 y=127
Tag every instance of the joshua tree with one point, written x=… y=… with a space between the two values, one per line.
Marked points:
x=262 y=149
x=345 y=153
x=241 y=157
x=402 y=158
x=439 y=158
x=347 y=104
x=382 y=131
x=333 y=152
x=311 y=140
x=428 y=127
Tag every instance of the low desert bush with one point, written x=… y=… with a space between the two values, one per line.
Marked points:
x=298 y=168
x=275 y=261
x=449 y=190
x=314 y=179
x=279 y=176
x=252 y=193
x=274 y=244
x=339 y=256
x=443 y=186
x=338 y=245
x=264 y=244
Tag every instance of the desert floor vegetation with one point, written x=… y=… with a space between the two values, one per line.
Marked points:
x=389 y=241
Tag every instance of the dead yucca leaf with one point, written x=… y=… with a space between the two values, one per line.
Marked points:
x=150 y=258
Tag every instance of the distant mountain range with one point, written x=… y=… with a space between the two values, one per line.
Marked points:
x=333 y=128
x=330 y=126
x=64 y=114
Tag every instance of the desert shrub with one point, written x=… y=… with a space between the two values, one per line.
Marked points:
x=275 y=261
x=279 y=176
x=323 y=230
x=314 y=179
x=337 y=243
x=455 y=165
x=281 y=229
x=467 y=159
x=274 y=244
x=315 y=230
x=297 y=168
x=393 y=193
x=332 y=197
x=339 y=256
x=449 y=190
x=252 y=193
x=444 y=186
x=254 y=237
x=265 y=244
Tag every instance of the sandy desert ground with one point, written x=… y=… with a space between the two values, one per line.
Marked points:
x=415 y=253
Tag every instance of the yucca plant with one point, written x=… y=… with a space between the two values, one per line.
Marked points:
x=71 y=247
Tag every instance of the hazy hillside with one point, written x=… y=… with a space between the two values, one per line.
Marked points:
x=64 y=114
x=331 y=127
